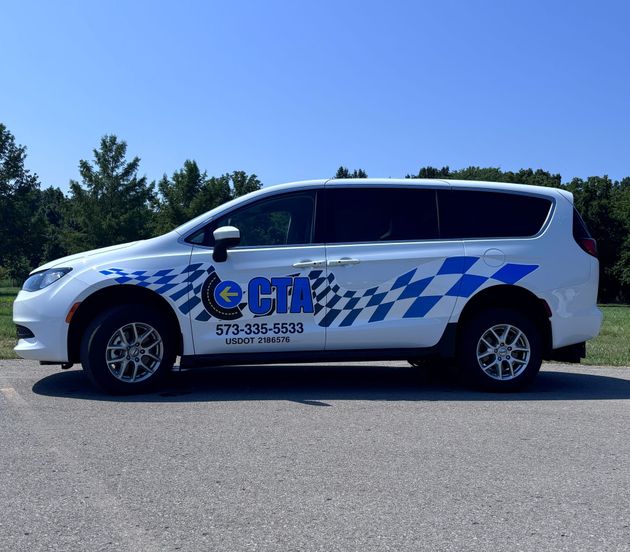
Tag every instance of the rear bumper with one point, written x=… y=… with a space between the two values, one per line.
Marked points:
x=575 y=328
x=572 y=353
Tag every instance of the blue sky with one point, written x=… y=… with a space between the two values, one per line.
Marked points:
x=291 y=90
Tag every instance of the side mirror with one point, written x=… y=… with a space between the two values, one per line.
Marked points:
x=224 y=238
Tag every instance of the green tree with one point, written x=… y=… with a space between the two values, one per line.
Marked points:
x=491 y=174
x=621 y=207
x=217 y=190
x=595 y=200
x=190 y=192
x=242 y=183
x=431 y=172
x=536 y=177
x=112 y=204
x=51 y=219
x=20 y=240
x=177 y=195
x=344 y=172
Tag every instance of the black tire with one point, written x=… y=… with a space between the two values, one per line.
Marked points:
x=504 y=365
x=109 y=328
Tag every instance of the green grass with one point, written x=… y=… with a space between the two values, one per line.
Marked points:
x=611 y=347
x=7 y=329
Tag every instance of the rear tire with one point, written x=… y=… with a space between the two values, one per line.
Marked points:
x=128 y=349
x=500 y=350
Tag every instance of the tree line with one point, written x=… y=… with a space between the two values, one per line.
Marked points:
x=113 y=204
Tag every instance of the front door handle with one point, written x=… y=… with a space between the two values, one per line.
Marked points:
x=309 y=264
x=343 y=261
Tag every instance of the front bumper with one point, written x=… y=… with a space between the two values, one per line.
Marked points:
x=35 y=311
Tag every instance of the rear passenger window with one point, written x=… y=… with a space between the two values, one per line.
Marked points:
x=380 y=214
x=480 y=214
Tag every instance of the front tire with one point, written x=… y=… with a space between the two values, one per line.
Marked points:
x=500 y=350
x=128 y=349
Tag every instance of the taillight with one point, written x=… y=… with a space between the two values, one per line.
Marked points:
x=589 y=245
x=582 y=236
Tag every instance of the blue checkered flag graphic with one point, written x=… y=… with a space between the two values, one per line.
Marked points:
x=431 y=288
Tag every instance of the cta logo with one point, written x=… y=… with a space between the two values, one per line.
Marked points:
x=223 y=299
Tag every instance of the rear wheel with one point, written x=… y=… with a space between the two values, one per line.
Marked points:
x=500 y=350
x=128 y=349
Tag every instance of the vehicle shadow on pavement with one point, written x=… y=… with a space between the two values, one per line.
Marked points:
x=316 y=384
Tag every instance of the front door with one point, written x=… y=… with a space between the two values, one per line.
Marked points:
x=260 y=299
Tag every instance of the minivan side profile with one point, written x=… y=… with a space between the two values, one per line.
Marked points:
x=495 y=276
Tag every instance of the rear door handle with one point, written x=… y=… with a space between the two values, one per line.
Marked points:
x=343 y=261
x=309 y=264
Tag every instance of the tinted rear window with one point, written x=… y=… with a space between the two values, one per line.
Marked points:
x=380 y=214
x=480 y=214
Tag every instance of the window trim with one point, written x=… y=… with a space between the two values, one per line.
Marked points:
x=437 y=189
x=320 y=222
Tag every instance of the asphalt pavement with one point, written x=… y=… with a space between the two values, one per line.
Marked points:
x=349 y=457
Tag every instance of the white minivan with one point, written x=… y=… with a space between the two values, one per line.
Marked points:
x=495 y=276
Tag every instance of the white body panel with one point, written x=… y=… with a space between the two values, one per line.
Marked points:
x=421 y=286
x=400 y=298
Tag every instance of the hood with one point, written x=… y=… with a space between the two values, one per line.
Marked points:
x=72 y=260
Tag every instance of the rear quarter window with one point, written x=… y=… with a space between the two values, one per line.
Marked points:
x=481 y=214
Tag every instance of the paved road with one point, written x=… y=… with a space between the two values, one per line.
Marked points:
x=328 y=457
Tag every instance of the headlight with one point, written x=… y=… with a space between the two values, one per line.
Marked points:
x=42 y=279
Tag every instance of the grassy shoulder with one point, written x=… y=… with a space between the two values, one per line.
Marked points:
x=610 y=348
x=7 y=329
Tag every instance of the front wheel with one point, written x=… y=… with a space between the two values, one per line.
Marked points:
x=128 y=349
x=500 y=350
